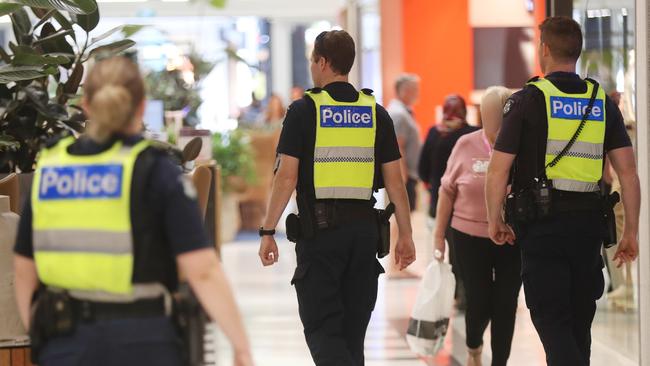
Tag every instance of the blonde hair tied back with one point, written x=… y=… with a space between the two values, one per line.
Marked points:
x=498 y=94
x=111 y=111
x=113 y=90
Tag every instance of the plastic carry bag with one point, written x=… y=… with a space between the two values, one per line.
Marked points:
x=433 y=306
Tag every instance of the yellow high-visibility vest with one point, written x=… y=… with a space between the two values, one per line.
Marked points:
x=344 y=154
x=581 y=168
x=82 y=230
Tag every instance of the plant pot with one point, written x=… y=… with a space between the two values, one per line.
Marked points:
x=12 y=332
x=236 y=184
x=230 y=219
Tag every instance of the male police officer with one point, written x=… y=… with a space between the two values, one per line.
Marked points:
x=558 y=128
x=338 y=146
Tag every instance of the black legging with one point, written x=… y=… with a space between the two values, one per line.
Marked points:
x=492 y=279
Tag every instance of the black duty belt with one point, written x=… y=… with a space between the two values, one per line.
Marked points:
x=91 y=311
x=343 y=210
x=575 y=201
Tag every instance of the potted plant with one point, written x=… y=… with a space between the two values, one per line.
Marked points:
x=40 y=75
x=233 y=153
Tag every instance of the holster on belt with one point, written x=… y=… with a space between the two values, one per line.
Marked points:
x=52 y=316
x=190 y=320
x=609 y=202
x=383 y=223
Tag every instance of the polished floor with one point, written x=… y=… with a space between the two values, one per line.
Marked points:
x=270 y=309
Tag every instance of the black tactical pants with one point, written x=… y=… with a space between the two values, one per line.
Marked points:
x=336 y=284
x=562 y=275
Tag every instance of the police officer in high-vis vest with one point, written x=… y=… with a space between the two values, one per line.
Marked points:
x=337 y=147
x=555 y=136
x=110 y=223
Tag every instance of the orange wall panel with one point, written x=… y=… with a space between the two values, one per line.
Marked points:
x=392 y=59
x=540 y=15
x=438 y=46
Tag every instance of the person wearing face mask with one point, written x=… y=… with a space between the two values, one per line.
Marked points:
x=438 y=145
x=490 y=273
x=110 y=224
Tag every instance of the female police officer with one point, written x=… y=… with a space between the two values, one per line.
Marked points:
x=109 y=222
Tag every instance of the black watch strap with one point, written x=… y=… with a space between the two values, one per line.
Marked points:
x=263 y=232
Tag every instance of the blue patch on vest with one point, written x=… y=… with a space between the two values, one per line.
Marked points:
x=574 y=108
x=346 y=116
x=81 y=182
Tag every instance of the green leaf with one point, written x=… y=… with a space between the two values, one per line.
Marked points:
x=27 y=59
x=127 y=30
x=51 y=70
x=71 y=6
x=107 y=34
x=219 y=4
x=56 y=45
x=63 y=21
x=87 y=21
x=10 y=73
x=6 y=9
x=21 y=24
x=61 y=33
x=4 y=56
x=112 y=48
x=130 y=30
x=8 y=143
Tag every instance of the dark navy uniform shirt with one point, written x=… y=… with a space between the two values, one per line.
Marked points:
x=298 y=137
x=166 y=220
x=525 y=127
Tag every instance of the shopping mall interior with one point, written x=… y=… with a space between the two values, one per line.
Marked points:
x=224 y=72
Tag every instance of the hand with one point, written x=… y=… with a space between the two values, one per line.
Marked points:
x=243 y=359
x=268 y=251
x=404 y=252
x=500 y=233
x=439 y=247
x=628 y=250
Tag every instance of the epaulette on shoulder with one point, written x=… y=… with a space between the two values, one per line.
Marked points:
x=314 y=90
x=367 y=91
x=533 y=79
x=54 y=140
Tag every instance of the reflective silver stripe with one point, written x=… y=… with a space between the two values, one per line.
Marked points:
x=86 y=241
x=343 y=193
x=580 y=149
x=346 y=154
x=575 y=186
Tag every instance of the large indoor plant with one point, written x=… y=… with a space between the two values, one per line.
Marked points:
x=233 y=153
x=41 y=71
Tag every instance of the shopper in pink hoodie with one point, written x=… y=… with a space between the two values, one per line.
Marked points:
x=489 y=272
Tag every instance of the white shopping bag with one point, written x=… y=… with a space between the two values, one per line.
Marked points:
x=433 y=306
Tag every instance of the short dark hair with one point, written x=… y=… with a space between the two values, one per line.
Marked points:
x=338 y=48
x=563 y=36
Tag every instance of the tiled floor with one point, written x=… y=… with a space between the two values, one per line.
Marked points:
x=270 y=310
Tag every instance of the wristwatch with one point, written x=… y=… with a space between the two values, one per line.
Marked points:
x=263 y=232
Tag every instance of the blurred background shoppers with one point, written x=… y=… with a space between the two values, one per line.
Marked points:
x=400 y=109
x=490 y=273
x=275 y=111
x=116 y=248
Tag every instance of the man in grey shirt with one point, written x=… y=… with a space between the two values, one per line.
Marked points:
x=407 y=90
